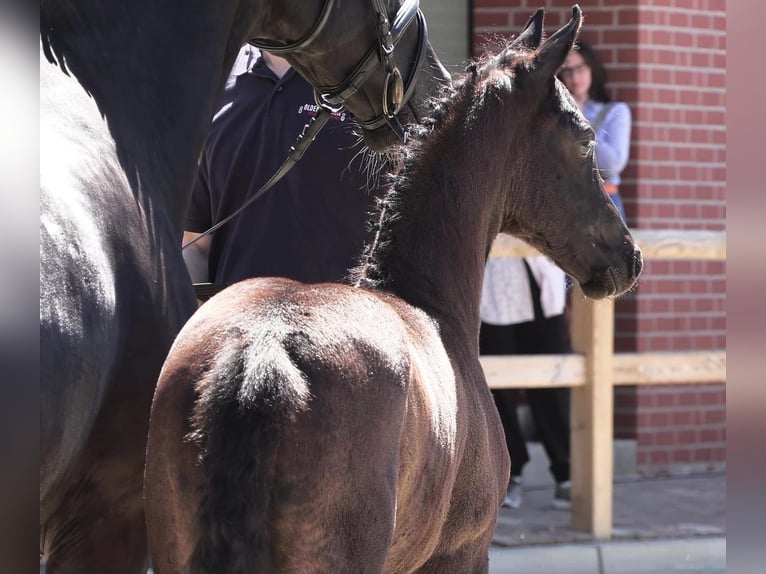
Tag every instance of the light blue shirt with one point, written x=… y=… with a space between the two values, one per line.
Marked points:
x=612 y=138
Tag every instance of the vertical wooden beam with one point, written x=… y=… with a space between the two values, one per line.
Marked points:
x=591 y=439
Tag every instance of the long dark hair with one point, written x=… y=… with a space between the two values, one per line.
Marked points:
x=597 y=91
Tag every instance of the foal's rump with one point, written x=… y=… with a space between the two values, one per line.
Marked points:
x=300 y=396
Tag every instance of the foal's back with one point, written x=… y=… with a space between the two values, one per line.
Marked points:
x=351 y=403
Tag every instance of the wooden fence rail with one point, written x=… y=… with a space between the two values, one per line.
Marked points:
x=594 y=369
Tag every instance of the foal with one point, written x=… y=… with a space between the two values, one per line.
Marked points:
x=338 y=428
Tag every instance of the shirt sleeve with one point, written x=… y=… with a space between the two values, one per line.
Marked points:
x=198 y=215
x=613 y=141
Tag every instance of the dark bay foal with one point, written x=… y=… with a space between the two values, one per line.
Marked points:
x=349 y=428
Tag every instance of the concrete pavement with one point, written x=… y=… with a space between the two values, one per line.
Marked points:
x=660 y=526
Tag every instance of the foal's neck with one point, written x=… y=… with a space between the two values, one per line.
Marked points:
x=432 y=249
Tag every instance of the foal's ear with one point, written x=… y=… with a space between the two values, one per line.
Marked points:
x=532 y=33
x=554 y=50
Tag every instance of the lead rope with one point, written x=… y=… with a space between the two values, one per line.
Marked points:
x=310 y=131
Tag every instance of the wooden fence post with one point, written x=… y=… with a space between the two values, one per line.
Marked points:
x=591 y=412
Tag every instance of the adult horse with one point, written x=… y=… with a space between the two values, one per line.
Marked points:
x=349 y=428
x=121 y=133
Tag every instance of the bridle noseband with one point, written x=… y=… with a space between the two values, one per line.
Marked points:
x=396 y=92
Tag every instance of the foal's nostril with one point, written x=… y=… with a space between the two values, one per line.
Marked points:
x=638 y=262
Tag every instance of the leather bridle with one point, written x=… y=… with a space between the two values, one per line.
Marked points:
x=396 y=92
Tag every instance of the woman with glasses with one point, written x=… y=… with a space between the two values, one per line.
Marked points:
x=585 y=77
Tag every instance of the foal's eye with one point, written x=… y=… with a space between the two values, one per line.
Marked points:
x=586 y=149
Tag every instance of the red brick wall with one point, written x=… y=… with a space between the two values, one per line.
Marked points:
x=666 y=59
x=681 y=429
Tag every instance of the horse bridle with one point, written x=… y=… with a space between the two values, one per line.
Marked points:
x=332 y=99
x=396 y=92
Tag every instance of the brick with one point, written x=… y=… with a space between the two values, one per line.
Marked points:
x=645 y=399
x=489 y=19
x=665 y=438
x=684 y=39
x=701 y=21
x=703 y=304
x=659 y=419
x=719 y=454
x=633 y=17
x=680 y=418
x=682 y=305
x=681 y=455
x=703 y=454
x=645 y=438
x=687 y=436
x=660 y=343
x=659 y=457
x=709 y=435
x=688 y=398
x=667 y=399
x=713 y=211
x=707 y=41
x=714 y=416
x=698 y=323
x=678 y=19
x=670 y=286
x=702 y=342
x=711 y=397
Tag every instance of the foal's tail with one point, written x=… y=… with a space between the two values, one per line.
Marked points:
x=252 y=393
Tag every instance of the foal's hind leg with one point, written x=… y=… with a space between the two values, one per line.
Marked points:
x=335 y=501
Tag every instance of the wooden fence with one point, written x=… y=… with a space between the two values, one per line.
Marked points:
x=594 y=369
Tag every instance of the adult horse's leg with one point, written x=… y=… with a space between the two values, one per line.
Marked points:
x=116 y=543
x=98 y=523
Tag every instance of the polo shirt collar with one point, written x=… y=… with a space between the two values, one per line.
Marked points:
x=259 y=69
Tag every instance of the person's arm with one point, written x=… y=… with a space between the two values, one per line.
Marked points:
x=198 y=219
x=196 y=257
x=613 y=141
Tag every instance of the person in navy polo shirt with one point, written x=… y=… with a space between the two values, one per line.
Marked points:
x=312 y=225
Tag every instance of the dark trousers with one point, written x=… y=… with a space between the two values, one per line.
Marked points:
x=550 y=406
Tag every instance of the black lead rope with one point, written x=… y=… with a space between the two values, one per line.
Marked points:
x=310 y=131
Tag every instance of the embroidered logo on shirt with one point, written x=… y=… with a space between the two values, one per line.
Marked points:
x=313 y=109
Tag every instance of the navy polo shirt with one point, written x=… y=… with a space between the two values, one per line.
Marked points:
x=311 y=226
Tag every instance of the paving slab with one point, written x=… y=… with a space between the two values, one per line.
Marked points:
x=700 y=555
x=687 y=556
x=642 y=509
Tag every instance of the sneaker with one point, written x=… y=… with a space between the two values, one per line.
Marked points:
x=513 y=495
x=563 y=495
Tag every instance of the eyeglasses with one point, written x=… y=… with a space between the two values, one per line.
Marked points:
x=573 y=70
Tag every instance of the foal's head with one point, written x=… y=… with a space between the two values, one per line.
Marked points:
x=555 y=198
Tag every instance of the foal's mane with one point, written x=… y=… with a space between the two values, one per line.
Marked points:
x=464 y=97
